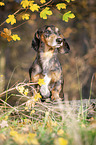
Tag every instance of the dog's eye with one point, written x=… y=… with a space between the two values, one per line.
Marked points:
x=58 y=33
x=48 y=32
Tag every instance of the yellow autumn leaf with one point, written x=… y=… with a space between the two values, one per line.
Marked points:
x=2 y=4
x=31 y=139
x=6 y=118
x=26 y=108
x=6 y=34
x=7 y=31
x=3 y=34
x=60 y=132
x=25 y=16
x=26 y=92
x=32 y=112
x=21 y=89
x=54 y=123
x=61 y=6
x=34 y=7
x=31 y=3
x=15 y=37
x=11 y=19
x=62 y=141
x=13 y=133
x=25 y=3
x=37 y=97
x=18 y=138
x=68 y=1
x=42 y=1
x=24 y=138
x=9 y=38
x=41 y=82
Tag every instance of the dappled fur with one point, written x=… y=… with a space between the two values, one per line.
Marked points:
x=48 y=42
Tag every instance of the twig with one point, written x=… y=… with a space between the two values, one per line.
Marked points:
x=13 y=14
x=9 y=105
x=46 y=3
x=11 y=89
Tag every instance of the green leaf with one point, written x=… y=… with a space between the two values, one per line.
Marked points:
x=45 y=12
x=61 y=6
x=68 y=15
x=68 y=1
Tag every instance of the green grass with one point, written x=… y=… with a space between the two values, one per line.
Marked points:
x=46 y=123
x=51 y=123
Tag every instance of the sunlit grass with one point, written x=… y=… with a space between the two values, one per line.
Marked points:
x=48 y=123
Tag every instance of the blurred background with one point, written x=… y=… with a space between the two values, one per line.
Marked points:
x=79 y=66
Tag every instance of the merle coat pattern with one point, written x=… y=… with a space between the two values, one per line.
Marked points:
x=48 y=42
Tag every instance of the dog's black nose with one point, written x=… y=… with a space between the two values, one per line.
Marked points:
x=59 y=40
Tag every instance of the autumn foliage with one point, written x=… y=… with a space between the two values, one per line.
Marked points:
x=44 y=10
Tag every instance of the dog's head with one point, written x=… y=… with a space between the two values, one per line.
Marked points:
x=52 y=38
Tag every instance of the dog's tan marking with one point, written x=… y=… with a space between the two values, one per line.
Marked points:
x=49 y=29
x=35 y=78
x=55 y=76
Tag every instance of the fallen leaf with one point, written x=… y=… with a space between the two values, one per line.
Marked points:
x=62 y=141
x=32 y=112
x=37 y=97
x=60 y=132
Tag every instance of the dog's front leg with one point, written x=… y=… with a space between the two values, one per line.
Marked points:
x=56 y=91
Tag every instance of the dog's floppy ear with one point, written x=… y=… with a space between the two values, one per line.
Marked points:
x=36 y=41
x=65 y=48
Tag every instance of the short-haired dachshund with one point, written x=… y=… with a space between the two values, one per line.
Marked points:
x=48 y=42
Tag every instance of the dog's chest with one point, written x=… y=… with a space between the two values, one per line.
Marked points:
x=46 y=59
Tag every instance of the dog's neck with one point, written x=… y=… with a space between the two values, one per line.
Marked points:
x=46 y=55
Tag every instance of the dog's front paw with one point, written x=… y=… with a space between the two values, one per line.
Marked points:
x=55 y=96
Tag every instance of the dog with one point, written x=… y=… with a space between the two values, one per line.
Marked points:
x=48 y=42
